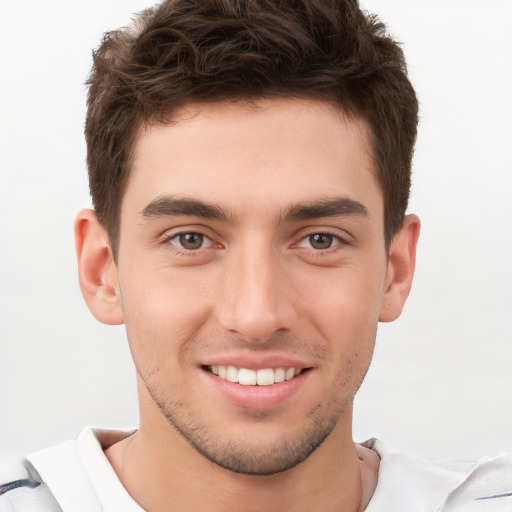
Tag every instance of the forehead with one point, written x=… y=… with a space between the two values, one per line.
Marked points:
x=267 y=153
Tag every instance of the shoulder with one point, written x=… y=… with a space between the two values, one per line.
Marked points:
x=407 y=483
x=28 y=494
x=78 y=475
x=487 y=487
x=56 y=480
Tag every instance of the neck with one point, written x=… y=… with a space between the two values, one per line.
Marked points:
x=163 y=472
x=159 y=477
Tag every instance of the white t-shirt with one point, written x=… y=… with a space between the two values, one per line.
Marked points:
x=75 y=476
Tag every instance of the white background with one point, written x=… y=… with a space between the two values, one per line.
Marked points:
x=440 y=385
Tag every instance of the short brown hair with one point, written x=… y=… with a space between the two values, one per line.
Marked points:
x=213 y=50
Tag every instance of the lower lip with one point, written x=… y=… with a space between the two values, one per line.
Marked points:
x=257 y=397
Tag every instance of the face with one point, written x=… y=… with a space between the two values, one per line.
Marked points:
x=251 y=274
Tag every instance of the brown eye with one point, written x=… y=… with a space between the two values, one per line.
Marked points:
x=321 y=241
x=189 y=241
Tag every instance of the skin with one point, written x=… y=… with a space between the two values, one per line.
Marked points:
x=257 y=289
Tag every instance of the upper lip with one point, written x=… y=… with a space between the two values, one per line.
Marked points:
x=256 y=362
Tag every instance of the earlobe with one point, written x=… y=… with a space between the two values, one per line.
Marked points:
x=96 y=269
x=400 y=271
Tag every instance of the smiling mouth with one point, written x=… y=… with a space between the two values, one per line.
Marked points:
x=247 y=377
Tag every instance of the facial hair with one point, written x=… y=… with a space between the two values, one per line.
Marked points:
x=251 y=456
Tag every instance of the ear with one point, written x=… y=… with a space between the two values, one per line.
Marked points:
x=400 y=271
x=97 y=271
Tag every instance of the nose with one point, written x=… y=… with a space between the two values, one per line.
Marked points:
x=255 y=301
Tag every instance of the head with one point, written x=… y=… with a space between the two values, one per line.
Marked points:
x=249 y=166
x=186 y=51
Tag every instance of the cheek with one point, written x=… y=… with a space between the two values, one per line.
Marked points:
x=162 y=312
x=344 y=312
x=344 y=304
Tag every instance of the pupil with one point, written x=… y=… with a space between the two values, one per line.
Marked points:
x=320 y=241
x=191 y=240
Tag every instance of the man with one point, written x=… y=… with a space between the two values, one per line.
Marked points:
x=249 y=165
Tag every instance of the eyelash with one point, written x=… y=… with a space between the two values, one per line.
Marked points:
x=339 y=244
x=336 y=240
x=182 y=251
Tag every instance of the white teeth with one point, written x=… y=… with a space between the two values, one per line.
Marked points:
x=290 y=373
x=232 y=374
x=265 y=377
x=247 y=377
x=279 y=375
x=262 y=377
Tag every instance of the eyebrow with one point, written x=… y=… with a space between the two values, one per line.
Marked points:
x=168 y=206
x=172 y=206
x=329 y=207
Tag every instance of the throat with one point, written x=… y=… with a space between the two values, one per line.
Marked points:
x=168 y=472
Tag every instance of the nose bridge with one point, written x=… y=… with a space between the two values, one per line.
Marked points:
x=255 y=302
